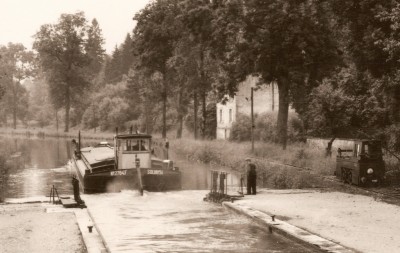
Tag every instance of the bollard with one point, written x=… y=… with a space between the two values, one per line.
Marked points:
x=273 y=217
x=90 y=227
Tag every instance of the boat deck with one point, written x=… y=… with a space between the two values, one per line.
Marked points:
x=97 y=154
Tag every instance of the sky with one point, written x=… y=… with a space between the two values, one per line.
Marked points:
x=21 y=19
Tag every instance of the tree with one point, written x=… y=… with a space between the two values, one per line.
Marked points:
x=371 y=38
x=16 y=65
x=184 y=66
x=197 y=17
x=66 y=50
x=285 y=41
x=94 y=48
x=108 y=108
x=154 y=37
x=40 y=107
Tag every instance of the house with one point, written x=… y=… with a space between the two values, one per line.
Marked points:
x=265 y=99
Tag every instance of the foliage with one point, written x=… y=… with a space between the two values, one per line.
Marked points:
x=108 y=108
x=16 y=65
x=40 y=107
x=66 y=51
x=284 y=41
x=154 y=36
x=120 y=62
x=265 y=128
x=268 y=158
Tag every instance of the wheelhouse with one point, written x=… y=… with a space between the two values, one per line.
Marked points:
x=132 y=148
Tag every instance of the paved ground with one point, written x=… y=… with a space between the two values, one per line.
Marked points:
x=34 y=225
x=359 y=223
x=28 y=228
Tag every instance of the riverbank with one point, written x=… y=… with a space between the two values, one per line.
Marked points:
x=53 y=133
x=358 y=223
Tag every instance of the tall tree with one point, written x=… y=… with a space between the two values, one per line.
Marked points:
x=154 y=37
x=185 y=71
x=94 y=48
x=65 y=54
x=197 y=18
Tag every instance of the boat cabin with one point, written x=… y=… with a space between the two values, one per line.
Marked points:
x=132 y=148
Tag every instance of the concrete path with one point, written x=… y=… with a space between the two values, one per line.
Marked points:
x=92 y=239
x=286 y=229
x=356 y=223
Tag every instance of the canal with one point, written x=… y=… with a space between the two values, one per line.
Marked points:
x=178 y=221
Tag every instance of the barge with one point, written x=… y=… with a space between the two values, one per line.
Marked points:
x=129 y=164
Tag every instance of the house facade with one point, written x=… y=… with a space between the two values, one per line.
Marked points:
x=265 y=99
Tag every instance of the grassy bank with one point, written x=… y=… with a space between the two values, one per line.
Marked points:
x=299 y=166
x=3 y=175
x=53 y=133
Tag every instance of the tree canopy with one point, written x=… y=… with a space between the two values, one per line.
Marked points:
x=66 y=51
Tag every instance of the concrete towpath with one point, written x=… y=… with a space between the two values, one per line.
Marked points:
x=54 y=229
x=331 y=221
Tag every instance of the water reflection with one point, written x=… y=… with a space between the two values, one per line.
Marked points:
x=34 y=165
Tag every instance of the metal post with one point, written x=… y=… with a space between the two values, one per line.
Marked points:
x=53 y=194
x=137 y=162
x=273 y=96
x=79 y=142
x=252 y=122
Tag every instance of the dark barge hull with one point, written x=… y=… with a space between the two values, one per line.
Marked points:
x=111 y=180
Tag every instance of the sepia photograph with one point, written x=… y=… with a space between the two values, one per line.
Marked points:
x=199 y=126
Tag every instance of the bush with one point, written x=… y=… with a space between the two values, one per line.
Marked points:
x=265 y=128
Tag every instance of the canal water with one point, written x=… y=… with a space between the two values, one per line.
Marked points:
x=178 y=221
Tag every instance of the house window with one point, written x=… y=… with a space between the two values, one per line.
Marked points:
x=230 y=115
x=220 y=115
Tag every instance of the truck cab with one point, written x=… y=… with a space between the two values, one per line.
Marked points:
x=361 y=163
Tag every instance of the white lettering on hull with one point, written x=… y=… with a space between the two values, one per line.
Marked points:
x=118 y=173
x=155 y=172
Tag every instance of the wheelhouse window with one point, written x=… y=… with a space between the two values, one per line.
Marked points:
x=140 y=145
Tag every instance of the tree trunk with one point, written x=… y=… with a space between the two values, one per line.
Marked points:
x=329 y=148
x=204 y=123
x=180 y=115
x=203 y=94
x=273 y=96
x=283 y=111
x=147 y=116
x=395 y=104
x=14 y=109
x=67 y=108
x=195 y=105
x=57 y=120
x=164 y=110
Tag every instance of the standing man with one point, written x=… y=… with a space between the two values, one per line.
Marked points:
x=251 y=177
